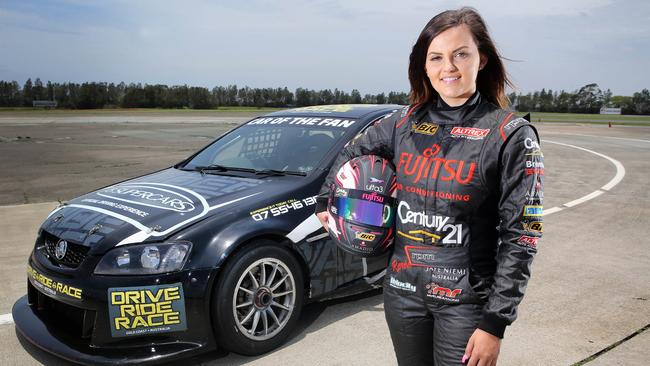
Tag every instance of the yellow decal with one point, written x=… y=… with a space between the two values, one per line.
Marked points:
x=57 y=287
x=426 y=128
x=534 y=226
x=151 y=307
x=365 y=236
x=410 y=235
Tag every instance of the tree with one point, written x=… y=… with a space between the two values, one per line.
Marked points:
x=28 y=96
x=589 y=99
x=641 y=101
x=355 y=97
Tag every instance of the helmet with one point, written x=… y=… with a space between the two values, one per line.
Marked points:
x=361 y=206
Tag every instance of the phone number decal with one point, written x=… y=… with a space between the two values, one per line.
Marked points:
x=282 y=208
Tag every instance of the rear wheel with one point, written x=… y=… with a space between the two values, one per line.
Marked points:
x=258 y=299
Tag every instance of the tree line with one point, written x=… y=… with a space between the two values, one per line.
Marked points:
x=91 y=95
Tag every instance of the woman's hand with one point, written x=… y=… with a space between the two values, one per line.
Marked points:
x=323 y=217
x=482 y=349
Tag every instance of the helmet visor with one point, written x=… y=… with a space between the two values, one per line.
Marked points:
x=362 y=211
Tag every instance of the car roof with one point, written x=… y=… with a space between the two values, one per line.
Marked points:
x=336 y=110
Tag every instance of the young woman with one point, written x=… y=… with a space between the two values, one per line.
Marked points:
x=469 y=202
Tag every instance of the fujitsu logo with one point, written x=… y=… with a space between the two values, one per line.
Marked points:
x=374 y=197
x=428 y=165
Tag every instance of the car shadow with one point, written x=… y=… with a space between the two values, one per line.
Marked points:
x=314 y=317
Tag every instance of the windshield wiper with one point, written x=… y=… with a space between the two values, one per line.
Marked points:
x=222 y=168
x=279 y=172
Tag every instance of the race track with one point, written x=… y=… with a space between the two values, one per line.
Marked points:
x=589 y=288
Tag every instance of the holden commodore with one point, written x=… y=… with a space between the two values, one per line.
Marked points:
x=219 y=251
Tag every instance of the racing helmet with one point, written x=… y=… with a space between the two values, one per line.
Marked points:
x=361 y=206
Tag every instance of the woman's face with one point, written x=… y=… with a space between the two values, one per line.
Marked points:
x=452 y=64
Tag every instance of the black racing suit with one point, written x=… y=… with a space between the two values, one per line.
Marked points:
x=469 y=205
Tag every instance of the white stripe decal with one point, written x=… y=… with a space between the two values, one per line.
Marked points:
x=112 y=214
x=618 y=177
x=305 y=228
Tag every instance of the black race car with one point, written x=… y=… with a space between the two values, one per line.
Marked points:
x=219 y=251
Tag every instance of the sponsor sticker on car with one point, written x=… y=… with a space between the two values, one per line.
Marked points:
x=146 y=310
x=52 y=287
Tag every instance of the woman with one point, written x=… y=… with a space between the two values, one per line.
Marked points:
x=470 y=187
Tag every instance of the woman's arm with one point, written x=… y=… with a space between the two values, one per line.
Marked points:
x=520 y=210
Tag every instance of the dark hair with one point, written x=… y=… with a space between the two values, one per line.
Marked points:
x=491 y=80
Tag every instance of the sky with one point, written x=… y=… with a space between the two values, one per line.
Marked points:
x=325 y=44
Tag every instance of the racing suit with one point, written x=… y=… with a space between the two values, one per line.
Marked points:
x=469 y=206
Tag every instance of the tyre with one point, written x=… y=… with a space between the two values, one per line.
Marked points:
x=258 y=299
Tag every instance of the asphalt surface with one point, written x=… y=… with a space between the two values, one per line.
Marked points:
x=589 y=288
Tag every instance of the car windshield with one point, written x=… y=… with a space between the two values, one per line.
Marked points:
x=278 y=148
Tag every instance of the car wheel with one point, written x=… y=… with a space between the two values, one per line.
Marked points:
x=258 y=299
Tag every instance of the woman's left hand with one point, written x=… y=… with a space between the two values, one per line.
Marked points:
x=482 y=349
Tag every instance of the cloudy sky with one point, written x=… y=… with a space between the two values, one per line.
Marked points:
x=362 y=44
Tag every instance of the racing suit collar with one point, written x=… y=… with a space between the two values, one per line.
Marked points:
x=441 y=113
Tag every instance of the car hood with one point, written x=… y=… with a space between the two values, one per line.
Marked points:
x=152 y=207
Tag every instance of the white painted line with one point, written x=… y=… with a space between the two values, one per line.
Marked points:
x=618 y=177
x=6 y=319
x=620 y=169
x=552 y=210
x=584 y=199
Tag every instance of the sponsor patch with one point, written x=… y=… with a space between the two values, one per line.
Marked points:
x=514 y=123
x=529 y=241
x=395 y=283
x=532 y=210
x=470 y=133
x=420 y=235
x=535 y=226
x=146 y=310
x=440 y=224
x=426 y=128
x=52 y=287
x=443 y=293
x=433 y=193
x=533 y=147
x=531 y=171
x=429 y=166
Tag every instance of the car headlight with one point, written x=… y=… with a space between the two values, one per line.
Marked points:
x=144 y=259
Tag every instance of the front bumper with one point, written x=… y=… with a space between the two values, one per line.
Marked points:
x=83 y=329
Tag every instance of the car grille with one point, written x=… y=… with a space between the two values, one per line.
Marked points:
x=74 y=256
x=69 y=319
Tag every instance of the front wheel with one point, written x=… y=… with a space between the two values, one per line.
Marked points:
x=258 y=299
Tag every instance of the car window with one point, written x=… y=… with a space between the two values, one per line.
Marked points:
x=287 y=148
